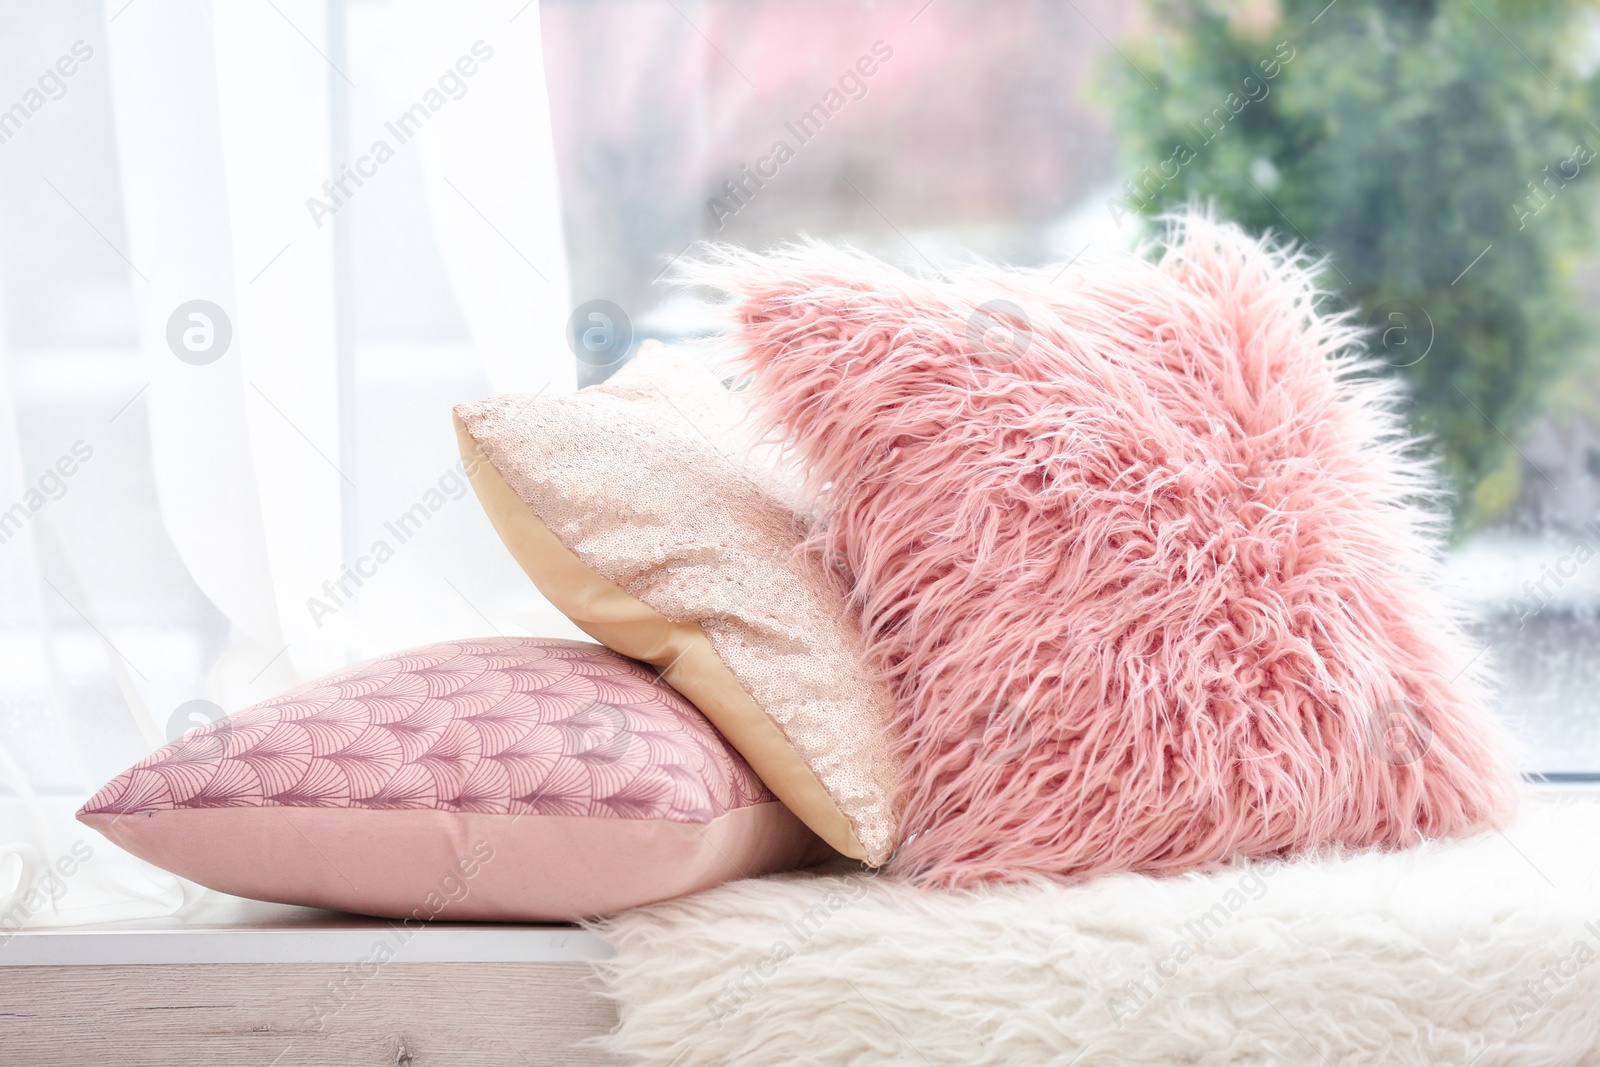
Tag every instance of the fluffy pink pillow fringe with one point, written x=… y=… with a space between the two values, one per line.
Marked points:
x=1151 y=593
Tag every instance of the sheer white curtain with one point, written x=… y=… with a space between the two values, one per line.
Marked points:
x=292 y=310
x=222 y=124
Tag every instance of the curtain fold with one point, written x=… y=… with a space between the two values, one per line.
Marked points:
x=179 y=212
x=233 y=170
x=490 y=173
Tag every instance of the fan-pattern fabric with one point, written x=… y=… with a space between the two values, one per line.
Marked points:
x=505 y=779
x=510 y=726
x=1141 y=544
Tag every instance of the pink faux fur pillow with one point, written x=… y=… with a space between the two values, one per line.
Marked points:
x=1150 y=572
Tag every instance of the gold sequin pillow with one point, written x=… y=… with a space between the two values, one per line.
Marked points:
x=638 y=509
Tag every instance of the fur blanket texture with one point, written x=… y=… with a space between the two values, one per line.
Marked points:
x=1483 y=952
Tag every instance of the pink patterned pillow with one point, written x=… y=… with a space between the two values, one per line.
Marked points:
x=506 y=779
x=1146 y=561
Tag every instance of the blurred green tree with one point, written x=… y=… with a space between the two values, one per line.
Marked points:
x=1438 y=151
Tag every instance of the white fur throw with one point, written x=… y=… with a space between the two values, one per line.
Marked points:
x=1482 y=952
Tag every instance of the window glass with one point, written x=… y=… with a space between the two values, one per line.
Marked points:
x=1440 y=153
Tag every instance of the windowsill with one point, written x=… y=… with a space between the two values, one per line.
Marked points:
x=230 y=930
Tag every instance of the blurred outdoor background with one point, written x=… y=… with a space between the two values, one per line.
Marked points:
x=1441 y=155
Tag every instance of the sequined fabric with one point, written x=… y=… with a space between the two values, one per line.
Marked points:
x=650 y=481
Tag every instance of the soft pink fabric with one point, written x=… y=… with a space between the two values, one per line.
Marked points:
x=1150 y=573
x=594 y=783
x=425 y=863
